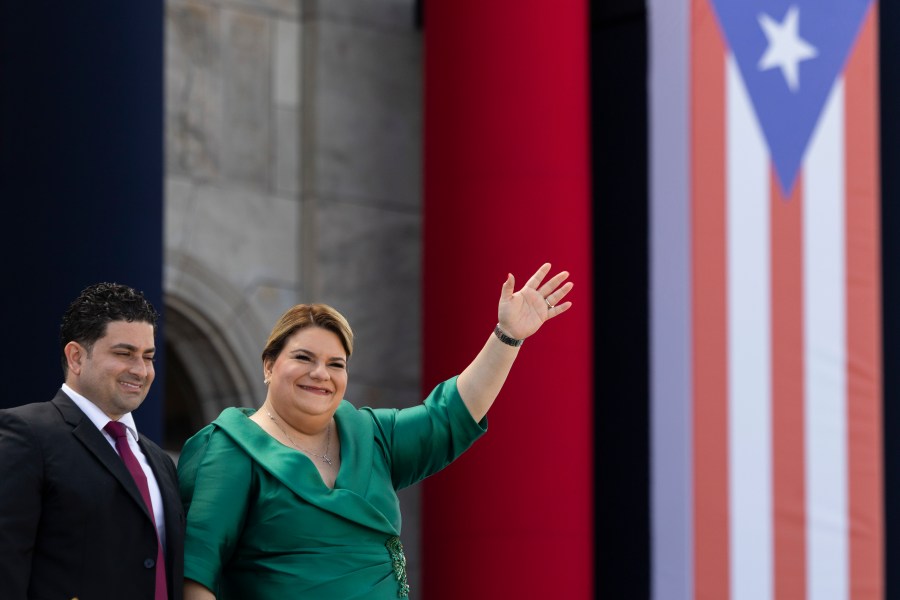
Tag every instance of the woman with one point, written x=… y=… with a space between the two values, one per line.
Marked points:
x=298 y=499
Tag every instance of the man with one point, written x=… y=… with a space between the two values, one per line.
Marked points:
x=88 y=509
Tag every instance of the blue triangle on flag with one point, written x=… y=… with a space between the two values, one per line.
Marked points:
x=789 y=54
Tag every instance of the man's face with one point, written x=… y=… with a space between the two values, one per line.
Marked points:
x=117 y=373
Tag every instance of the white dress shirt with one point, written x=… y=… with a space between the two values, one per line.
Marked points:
x=99 y=419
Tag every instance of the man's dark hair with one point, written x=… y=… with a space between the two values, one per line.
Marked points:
x=86 y=318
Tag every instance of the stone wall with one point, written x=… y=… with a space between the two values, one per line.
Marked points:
x=293 y=174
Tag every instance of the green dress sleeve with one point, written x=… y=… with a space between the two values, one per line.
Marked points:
x=424 y=439
x=215 y=477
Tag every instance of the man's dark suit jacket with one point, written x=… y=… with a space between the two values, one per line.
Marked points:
x=72 y=521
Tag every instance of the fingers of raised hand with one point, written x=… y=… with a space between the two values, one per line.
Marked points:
x=535 y=280
x=554 y=298
x=549 y=287
x=508 y=288
x=549 y=293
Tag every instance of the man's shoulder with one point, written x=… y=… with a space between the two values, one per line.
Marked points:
x=39 y=411
x=51 y=421
x=35 y=423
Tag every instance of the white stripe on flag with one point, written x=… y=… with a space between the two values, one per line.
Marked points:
x=749 y=335
x=826 y=356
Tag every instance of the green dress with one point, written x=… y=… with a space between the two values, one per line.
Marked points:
x=261 y=523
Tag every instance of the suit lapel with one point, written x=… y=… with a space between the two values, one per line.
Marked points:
x=92 y=439
x=168 y=487
x=167 y=481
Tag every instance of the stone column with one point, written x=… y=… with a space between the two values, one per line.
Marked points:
x=293 y=134
x=361 y=197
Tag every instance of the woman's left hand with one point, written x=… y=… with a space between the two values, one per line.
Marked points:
x=522 y=313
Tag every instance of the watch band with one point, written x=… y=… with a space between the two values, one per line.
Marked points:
x=509 y=341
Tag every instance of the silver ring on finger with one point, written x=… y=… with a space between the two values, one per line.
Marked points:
x=549 y=306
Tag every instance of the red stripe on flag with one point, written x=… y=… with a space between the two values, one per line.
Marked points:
x=710 y=364
x=788 y=474
x=864 y=393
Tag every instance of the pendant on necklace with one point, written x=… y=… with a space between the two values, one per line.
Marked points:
x=327 y=460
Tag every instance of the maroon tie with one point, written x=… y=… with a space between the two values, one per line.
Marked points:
x=117 y=430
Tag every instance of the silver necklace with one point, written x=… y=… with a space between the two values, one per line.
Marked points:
x=325 y=458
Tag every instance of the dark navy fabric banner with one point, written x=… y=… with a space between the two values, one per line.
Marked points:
x=81 y=170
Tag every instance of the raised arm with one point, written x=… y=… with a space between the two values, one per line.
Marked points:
x=520 y=314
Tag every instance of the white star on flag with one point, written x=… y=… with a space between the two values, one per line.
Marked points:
x=786 y=48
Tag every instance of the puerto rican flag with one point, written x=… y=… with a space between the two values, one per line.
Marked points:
x=768 y=483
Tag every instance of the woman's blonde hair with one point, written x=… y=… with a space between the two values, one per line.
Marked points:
x=303 y=316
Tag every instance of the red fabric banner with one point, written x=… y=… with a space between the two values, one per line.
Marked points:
x=507 y=187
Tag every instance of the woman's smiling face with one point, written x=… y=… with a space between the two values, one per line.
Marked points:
x=309 y=376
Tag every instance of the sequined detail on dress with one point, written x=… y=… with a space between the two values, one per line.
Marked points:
x=398 y=561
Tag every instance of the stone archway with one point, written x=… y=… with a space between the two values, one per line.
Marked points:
x=203 y=373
